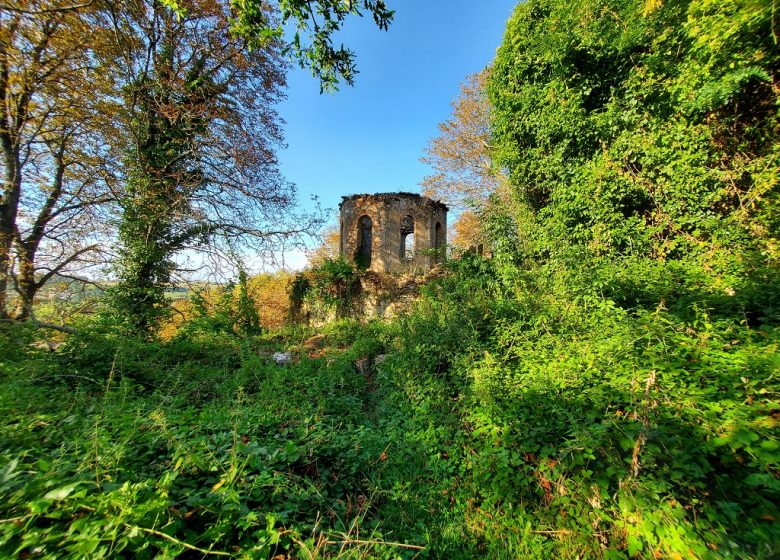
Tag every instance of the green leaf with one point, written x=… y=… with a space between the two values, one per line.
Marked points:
x=62 y=492
x=634 y=545
x=745 y=437
x=8 y=471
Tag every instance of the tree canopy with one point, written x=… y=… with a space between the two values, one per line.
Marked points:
x=153 y=120
x=315 y=22
x=461 y=155
x=646 y=130
x=58 y=153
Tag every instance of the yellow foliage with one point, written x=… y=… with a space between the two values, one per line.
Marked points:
x=181 y=312
x=468 y=231
x=268 y=291
x=329 y=249
x=461 y=155
x=272 y=300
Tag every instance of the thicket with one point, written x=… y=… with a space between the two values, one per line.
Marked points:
x=512 y=416
x=642 y=141
x=325 y=291
x=607 y=385
x=117 y=447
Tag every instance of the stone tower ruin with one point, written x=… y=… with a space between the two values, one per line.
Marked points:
x=393 y=232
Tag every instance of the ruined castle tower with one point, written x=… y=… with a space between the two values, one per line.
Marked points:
x=393 y=232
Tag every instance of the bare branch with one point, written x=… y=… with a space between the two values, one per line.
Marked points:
x=59 y=9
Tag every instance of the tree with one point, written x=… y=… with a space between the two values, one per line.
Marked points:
x=201 y=135
x=62 y=136
x=270 y=292
x=464 y=175
x=461 y=156
x=329 y=248
x=469 y=231
x=54 y=166
x=315 y=22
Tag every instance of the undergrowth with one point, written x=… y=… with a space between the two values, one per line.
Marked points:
x=502 y=422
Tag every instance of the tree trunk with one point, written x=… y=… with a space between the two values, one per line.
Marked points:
x=26 y=285
x=9 y=208
x=5 y=266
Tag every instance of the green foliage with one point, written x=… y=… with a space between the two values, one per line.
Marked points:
x=298 y=288
x=644 y=135
x=517 y=412
x=315 y=24
x=333 y=285
x=165 y=447
x=619 y=393
x=247 y=320
x=191 y=87
x=334 y=281
x=549 y=415
x=163 y=174
x=327 y=63
x=145 y=267
x=226 y=310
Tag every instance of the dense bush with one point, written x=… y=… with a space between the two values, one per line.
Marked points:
x=326 y=291
x=565 y=423
x=647 y=131
x=516 y=414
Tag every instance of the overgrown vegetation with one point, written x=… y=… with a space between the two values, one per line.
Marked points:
x=325 y=291
x=147 y=449
x=561 y=423
x=605 y=386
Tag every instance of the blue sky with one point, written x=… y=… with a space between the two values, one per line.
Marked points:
x=370 y=137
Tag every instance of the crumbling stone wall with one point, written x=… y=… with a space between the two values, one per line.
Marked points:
x=393 y=232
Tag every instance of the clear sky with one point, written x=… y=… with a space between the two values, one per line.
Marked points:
x=369 y=138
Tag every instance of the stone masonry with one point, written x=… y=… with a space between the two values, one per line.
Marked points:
x=393 y=232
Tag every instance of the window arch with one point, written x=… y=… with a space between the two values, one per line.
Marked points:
x=364 y=242
x=407 y=238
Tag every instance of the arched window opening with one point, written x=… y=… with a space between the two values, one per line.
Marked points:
x=364 y=243
x=407 y=238
x=439 y=242
x=409 y=247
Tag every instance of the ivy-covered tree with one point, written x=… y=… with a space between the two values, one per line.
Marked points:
x=201 y=78
x=201 y=134
x=647 y=130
